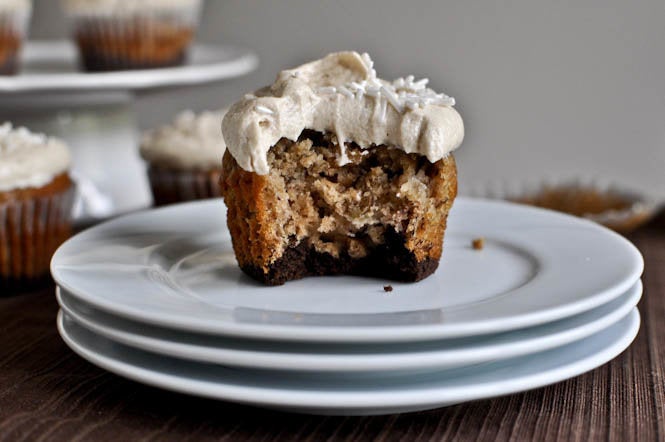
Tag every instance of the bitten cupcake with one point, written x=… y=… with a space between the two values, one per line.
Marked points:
x=184 y=157
x=132 y=34
x=333 y=170
x=36 y=196
x=14 y=18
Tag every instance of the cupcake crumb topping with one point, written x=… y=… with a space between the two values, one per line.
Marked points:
x=29 y=160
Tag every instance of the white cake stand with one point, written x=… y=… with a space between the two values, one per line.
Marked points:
x=94 y=113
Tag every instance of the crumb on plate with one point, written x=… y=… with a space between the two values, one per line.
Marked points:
x=387 y=288
x=478 y=243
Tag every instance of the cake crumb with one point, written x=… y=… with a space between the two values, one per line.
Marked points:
x=478 y=243
x=387 y=288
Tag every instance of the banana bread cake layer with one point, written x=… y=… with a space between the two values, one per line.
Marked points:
x=382 y=214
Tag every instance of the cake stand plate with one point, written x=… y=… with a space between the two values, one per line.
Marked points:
x=53 y=66
x=94 y=113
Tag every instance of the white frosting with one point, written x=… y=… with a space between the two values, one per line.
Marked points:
x=125 y=6
x=190 y=142
x=341 y=94
x=29 y=160
x=15 y=5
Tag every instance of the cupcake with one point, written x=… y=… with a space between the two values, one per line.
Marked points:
x=36 y=196
x=14 y=18
x=620 y=210
x=184 y=158
x=603 y=201
x=332 y=170
x=132 y=34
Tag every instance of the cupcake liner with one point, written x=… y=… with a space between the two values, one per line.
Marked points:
x=30 y=232
x=13 y=29
x=169 y=187
x=141 y=40
x=604 y=202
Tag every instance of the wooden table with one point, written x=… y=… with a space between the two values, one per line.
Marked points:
x=49 y=393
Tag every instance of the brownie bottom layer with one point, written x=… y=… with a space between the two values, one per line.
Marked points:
x=391 y=260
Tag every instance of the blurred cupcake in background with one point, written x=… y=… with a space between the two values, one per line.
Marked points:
x=36 y=197
x=14 y=20
x=132 y=34
x=605 y=202
x=185 y=157
x=621 y=210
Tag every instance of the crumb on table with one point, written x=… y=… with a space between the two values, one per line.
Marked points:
x=387 y=288
x=478 y=243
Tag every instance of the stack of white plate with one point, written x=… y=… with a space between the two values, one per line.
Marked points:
x=157 y=297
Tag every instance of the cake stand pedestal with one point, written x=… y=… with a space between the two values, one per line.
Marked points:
x=94 y=113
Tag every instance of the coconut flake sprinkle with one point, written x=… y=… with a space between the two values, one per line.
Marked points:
x=264 y=110
x=404 y=93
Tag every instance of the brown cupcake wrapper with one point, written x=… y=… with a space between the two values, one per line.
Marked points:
x=13 y=28
x=30 y=232
x=169 y=187
x=140 y=41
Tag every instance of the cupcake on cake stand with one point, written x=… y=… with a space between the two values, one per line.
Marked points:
x=94 y=113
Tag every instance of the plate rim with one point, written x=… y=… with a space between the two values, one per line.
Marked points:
x=369 y=333
x=301 y=361
x=354 y=402
x=240 y=63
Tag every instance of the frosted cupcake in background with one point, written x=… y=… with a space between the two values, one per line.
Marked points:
x=185 y=157
x=36 y=197
x=132 y=34
x=14 y=20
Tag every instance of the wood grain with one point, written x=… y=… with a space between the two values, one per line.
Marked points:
x=49 y=393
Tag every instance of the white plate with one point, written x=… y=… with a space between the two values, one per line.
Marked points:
x=349 y=357
x=53 y=66
x=175 y=267
x=328 y=394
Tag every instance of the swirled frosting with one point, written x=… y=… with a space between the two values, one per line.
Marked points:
x=125 y=6
x=191 y=142
x=15 y=5
x=342 y=94
x=29 y=160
